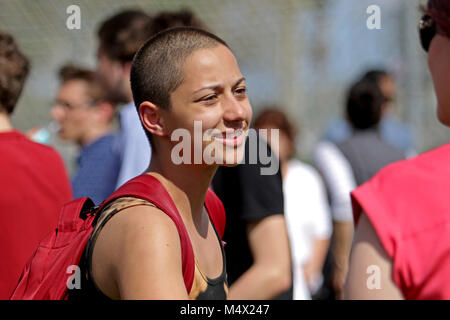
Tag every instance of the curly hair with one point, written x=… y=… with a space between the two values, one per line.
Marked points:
x=14 y=67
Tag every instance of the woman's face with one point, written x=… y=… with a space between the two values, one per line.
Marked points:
x=213 y=94
x=439 y=64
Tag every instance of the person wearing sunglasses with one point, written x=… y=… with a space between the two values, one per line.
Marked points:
x=402 y=216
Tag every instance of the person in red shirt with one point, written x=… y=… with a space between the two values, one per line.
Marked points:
x=402 y=216
x=33 y=180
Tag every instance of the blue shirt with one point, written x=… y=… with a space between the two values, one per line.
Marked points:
x=136 y=148
x=98 y=169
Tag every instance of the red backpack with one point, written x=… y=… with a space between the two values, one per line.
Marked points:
x=46 y=274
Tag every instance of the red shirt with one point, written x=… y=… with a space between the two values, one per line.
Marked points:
x=33 y=186
x=408 y=205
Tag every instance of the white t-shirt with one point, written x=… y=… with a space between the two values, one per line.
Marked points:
x=136 y=147
x=338 y=174
x=307 y=218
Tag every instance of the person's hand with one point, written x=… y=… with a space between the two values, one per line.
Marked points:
x=338 y=281
x=308 y=273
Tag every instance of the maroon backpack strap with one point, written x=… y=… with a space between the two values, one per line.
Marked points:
x=216 y=211
x=149 y=188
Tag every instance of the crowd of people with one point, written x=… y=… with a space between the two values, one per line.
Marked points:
x=309 y=231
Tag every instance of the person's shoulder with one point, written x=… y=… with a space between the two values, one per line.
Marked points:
x=405 y=192
x=325 y=148
x=302 y=170
x=137 y=220
x=40 y=150
x=109 y=144
x=423 y=167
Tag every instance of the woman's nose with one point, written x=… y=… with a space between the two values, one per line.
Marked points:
x=235 y=110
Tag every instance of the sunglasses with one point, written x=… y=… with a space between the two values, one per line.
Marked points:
x=427 y=31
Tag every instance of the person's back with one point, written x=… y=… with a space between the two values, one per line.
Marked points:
x=367 y=153
x=33 y=180
x=34 y=186
x=365 y=150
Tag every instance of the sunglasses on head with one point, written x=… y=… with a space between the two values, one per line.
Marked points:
x=427 y=30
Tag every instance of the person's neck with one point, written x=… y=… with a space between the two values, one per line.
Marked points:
x=187 y=184
x=128 y=92
x=94 y=133
x=5 y=123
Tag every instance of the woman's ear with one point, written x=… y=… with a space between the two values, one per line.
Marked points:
x=151 y=118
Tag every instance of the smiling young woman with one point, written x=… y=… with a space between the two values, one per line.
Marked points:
x=178 y=77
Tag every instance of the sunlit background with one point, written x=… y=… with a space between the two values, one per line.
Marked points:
x=300 y=55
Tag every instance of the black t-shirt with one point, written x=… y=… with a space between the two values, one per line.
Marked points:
x=247 y=196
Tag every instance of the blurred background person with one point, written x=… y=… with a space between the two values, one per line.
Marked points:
x=392 y=130
x=402 y=215
x=33 y=179
x=120 y=36
x=305 y=206
x=350 y=163
x=85 y=117
x=257 y=242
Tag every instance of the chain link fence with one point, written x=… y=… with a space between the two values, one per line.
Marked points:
x=298 y=55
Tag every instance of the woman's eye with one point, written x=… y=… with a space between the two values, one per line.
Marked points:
x=241 y=91
x=210 y=98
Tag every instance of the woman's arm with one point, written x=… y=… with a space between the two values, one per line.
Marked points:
x=270 y=273
x=138 y=256
x=370 y=268
x=314 y=266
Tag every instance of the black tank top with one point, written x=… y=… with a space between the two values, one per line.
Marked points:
x=203 y=288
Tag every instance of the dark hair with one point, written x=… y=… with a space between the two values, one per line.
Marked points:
x=439 y=11
x=364 y=104
x=156 y=70
x=123 y=34
x=70 y=72
x=273 y=117
x=166 y=20
x=375 y=75
x=14 y=67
